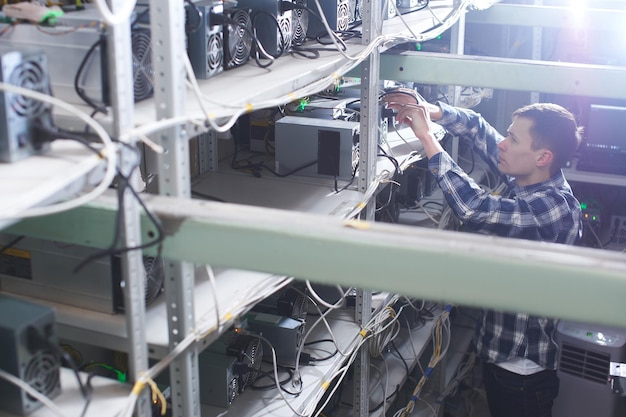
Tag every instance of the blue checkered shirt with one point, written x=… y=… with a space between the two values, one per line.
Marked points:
x=546 y=212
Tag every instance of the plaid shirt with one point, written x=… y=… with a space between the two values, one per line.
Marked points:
x=547 y=212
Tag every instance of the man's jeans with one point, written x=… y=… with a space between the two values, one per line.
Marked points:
x=513 y=395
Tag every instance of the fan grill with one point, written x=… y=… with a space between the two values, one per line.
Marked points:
x=284 y=26
x=143 y=70
x=215 y=52
x=300 y=23
x=239 y=39
x=343 y=17
x=42 y=373
x=31 y=75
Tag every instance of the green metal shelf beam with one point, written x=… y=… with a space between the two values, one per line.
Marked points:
x=561 y=281
x=505 y=74
x=550 y=17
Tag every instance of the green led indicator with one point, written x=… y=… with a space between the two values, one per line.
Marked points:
x=594 y=218
x=419 y=46
x=583 y=206
x=589 y=334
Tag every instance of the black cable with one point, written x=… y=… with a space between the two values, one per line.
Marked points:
x=79 y=90
x=206 y=196
x=11 y=244
x=262 y=165
x=270 y=375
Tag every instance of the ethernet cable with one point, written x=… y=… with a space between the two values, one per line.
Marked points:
x=109 y=152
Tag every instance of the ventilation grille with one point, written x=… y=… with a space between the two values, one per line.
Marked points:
x=300 y=22
x=215 y=52
x=42 y=373
x=585 y=364
x=239 y=38
x=143 y=70
x=343 y=16
x=29 y=74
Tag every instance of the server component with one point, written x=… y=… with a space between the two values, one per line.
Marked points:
x=237 y=37
x=316 y=147
x=220 y=379
x=272 y=23
x=19 y=114
x=27 y=335
x=205 y=42
x=77 y=56
x=300 y=22
x=337 y=14
x=284 y=333
x=46 y=270
x=591 y=371
x=408 y=6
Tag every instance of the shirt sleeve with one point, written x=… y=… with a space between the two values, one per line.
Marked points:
x=473 y=128
x=544 y=215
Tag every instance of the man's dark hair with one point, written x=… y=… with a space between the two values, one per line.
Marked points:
x=553 y=128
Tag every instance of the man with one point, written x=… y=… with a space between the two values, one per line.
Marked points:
x=518 y=351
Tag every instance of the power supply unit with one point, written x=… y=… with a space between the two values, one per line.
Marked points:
x=76 y=51
x=19 y=114
x=337 y=14
x=272 y=23
x=284 y=333
x=46 y=270
x=316 y=147
x=27 y=339
x=219 y=378
x=205 y=38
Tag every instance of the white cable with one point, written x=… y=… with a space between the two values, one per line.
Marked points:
x=120 y=16
x=321 y=301
x=32 y=392
x=109 y=152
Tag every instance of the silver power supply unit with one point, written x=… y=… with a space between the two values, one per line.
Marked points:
x=316 y=147
x=47 y=270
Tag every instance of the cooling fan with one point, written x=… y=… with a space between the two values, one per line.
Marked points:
x=343 y=15
x=42 y=372
x=143 y=70
x=237 y=38
x=300 y=22
x=27 y=340
x=249 y=351
x=26 y=69
x=285 y=29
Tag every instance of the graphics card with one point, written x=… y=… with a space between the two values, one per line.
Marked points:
x=284 y=333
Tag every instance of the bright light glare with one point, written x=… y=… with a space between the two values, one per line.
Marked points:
x=578 y=10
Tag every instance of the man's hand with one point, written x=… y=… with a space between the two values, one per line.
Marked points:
x=408 y=97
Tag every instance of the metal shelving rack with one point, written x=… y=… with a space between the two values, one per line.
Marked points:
x=317 y=247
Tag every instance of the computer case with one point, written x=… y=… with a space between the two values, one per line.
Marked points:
x=205 y=38
x=316 y=147
x=27 y=339
x=46 y=270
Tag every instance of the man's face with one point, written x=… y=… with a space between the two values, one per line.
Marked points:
x=516 y=157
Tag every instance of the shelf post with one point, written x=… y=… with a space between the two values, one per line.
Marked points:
x=122 y=108
x=168 y=47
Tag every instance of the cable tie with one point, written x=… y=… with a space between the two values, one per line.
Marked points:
x=325 y=385
x=228 y=316
x=364 y=333
x=357 y=224
x=249 y=107
x=211 y=116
